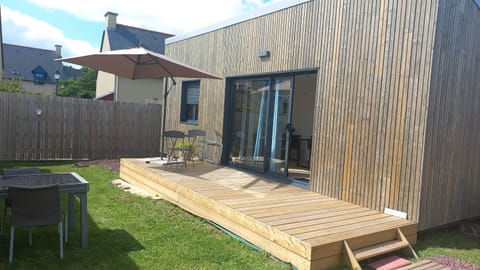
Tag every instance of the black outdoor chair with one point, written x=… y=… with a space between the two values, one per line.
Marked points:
x=197 y=143
x=33 y=207
x=10 y=173
x=176 y=145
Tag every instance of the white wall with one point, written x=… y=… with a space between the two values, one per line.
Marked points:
x=145 y=90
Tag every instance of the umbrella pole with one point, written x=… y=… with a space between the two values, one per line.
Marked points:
x=164 y=116
x=165 y=95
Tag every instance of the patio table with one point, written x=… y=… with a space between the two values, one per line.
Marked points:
x=70 y=183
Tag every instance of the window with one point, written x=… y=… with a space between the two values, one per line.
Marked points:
x=190 y=97
x=39 y=78
x=39 y=75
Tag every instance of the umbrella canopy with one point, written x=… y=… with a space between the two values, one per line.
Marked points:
x=138 y=63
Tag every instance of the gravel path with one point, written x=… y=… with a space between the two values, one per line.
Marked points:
x=454 y=263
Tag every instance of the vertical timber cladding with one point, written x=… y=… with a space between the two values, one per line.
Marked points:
x=289 y=35
x=369 y=128
x=374 y=61
x=450 y=184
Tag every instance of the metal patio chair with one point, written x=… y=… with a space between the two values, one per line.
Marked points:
x=33 y=207
x=175 y=144
x=197 y=143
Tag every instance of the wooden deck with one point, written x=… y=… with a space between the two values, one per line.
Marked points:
x=426 y=265
x=291 y=223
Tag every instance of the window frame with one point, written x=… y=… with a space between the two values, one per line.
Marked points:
x=183 y=103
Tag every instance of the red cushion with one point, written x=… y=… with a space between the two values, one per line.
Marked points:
x=390 y=263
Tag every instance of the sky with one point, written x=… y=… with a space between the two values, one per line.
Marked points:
x=78 y=25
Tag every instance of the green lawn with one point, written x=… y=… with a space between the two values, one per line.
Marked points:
x=129 y=232
x=448 y=242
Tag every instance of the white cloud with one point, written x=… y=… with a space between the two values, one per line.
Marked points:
x=170 y=16
x=22 y=29
x=173 y=16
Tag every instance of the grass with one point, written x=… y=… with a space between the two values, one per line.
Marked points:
x=448 y=242
x=129 y=232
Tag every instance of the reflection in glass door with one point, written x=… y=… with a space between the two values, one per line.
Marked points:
x=281 y=97
x=249 y=123
x=261 y=124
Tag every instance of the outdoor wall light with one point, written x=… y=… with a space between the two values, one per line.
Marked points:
x=264 y=54
x=56 y=75
x=38 y=112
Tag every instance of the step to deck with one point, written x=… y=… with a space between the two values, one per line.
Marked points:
x=379 y=249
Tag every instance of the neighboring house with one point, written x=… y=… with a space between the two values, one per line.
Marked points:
x=384 y=97
x=119 y=36
x=35 y=67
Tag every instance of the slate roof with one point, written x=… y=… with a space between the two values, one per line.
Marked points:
x=126 y=37
x=20 y=61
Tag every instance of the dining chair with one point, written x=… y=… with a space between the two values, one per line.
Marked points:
x=33 y=207
x=197 y=141
x=175 y=143
x=11 y=173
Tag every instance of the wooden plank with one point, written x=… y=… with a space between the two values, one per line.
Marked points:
x=315 y=217
x=424 y=265
x=339 y=226
x=326 y=219
x=379 y=249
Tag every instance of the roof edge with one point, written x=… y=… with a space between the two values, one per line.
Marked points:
x=29 y=47
x=241 y=18
x=146 y=30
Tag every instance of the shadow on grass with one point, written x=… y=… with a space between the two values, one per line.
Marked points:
x=107 y=249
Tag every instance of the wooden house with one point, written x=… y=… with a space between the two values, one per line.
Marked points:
x=373 y=102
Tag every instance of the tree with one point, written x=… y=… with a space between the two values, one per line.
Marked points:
x=11 y=86
x=81 y=87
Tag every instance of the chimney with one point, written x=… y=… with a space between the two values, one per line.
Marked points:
x=111 y=20
x=58 y=50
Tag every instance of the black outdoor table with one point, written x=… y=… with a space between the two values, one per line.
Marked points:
x=70 y=183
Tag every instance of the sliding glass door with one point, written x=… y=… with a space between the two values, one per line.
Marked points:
x=249 y=123
x=281 y=96
x=261 y=121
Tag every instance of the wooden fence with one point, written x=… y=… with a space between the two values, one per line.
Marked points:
x=52 y=128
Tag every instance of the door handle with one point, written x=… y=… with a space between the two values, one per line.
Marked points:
x=290 y=128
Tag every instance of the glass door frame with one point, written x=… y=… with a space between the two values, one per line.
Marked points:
x=229 y=111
